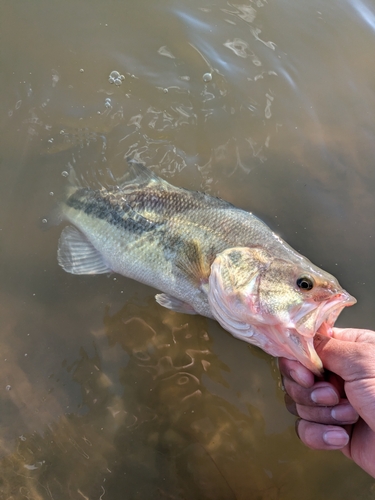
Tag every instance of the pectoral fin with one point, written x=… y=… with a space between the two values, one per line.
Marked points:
x=194 y=262
x=76 y=255
x=174 y=304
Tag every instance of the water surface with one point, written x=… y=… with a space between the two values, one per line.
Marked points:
x=269 y=105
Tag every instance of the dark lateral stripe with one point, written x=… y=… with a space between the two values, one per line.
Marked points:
x=94 y=205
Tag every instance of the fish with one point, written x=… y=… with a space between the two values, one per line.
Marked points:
x=206 y=257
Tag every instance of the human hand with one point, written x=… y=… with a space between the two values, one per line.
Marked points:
x=338 y=412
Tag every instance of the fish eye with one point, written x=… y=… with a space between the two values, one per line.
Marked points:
x=305 y=283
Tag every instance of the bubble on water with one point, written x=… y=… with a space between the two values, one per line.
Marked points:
x=116 y=78
x=165 y=91
x=207 y=77
x=81 y=70
x=22 y=438
x=51 y=193
x=8 y=387
x=108 y=103
x=18 y=104
x=50 y=140
x=10 y=113
x=64 y=173
x=44 y=221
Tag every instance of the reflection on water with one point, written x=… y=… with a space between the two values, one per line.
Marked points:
x=269 y=105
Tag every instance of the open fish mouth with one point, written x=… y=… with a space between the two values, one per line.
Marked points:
x=320 y=320
x=329 y=312
x=313 y=318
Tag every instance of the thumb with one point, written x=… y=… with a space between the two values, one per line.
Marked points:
x=349 y=352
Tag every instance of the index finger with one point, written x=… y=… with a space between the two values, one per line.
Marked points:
x=296 y=371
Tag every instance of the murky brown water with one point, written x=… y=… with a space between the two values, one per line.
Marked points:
x=104 y=394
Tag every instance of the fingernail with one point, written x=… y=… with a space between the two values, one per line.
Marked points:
x=324 y=396
x=282 y=384
x=290 y=405
x=296 y=426
x=337 y=437
x=344 y=413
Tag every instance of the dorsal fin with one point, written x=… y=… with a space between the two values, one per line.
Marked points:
x=135 y=174
x=139 y=174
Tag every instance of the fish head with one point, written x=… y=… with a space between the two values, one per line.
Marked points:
x=276 y=304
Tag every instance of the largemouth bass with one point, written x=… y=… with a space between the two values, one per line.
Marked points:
x=206 y=256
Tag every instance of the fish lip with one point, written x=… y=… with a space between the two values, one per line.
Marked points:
x=329 y=311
